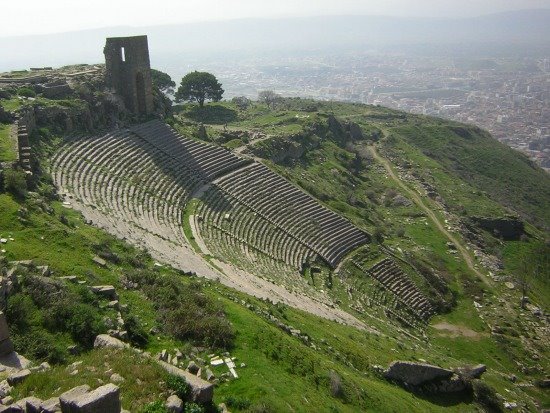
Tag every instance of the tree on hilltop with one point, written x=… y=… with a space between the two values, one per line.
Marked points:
x=163 y=81
x=198 y=87
x=269 y=97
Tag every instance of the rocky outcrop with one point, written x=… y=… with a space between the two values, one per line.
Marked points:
x=509 y=228
x=282 y=150
x=5 y=117
x=104 y=340
x=426 y=378
x=415 y=374
x=354 y=131
x=174 y=404
x=471 y=372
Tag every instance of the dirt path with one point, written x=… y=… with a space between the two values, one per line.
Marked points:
x=433 y=217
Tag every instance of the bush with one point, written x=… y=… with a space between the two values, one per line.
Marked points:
x=18 y=311
x=26 y=92
x=136 y=333
x=178 y=385
x=261 y=408
x=193 y=408
x=237 y=402
x=81 y=321
x=15 y=182
x=336 y=386
x=39 y=345
x=185 y=312
x=378 y=235
x=155 y=407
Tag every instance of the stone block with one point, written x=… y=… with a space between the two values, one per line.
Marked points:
x=201 y=390
x=11 y=409
x=174 y=404
x=104 y=340
x=107 y=291
x=30 y=404
x=51 y=405
x=18 y=377
x=100 y=261
x=104 y=399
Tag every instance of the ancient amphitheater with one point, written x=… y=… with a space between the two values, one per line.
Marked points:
x=249 y=224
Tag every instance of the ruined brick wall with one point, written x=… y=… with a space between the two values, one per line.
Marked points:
x=128 y=71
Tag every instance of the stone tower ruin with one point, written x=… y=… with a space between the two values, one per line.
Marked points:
x=128 y=71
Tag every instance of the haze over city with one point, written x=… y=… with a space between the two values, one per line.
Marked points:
x=65 y=15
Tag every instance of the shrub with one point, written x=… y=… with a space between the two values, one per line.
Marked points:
x=185 y=312
x=193 y=408
x=26 y=91
x=336 y=386
x=178 y=385
x=15 y=182
x=136 y=333
x=39 y=345
x=237 y=402
x=155 y=407
x=378 y=235
x=261 y=408
x=81 y=321
x=18 y=311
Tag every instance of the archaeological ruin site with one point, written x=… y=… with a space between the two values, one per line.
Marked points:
x=139 y=182
x=168 y=252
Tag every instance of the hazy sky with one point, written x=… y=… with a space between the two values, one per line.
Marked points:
x=50 y=16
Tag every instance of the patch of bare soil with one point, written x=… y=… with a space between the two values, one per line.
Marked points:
x=452 y=330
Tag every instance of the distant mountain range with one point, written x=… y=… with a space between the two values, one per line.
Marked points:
x=518 y=28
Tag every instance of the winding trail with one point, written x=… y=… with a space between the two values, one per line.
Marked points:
x=433 y=217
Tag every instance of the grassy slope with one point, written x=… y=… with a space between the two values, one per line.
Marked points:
x=281 y=371
x=324 y=172
x=505 y=175
x=7 y=146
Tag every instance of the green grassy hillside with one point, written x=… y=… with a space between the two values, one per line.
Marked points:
x=381 y=181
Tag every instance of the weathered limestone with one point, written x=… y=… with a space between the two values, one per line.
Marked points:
x=74 y=393
x=51 y=405
x=104 y=340
x=11 y=409
x=201 y=390
x=415 y=374
x=99 y=261
x=174 y=404
x=18 y=377
x=107 y=291
x=30 y=404
x=473 y=372
x=105 y=399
